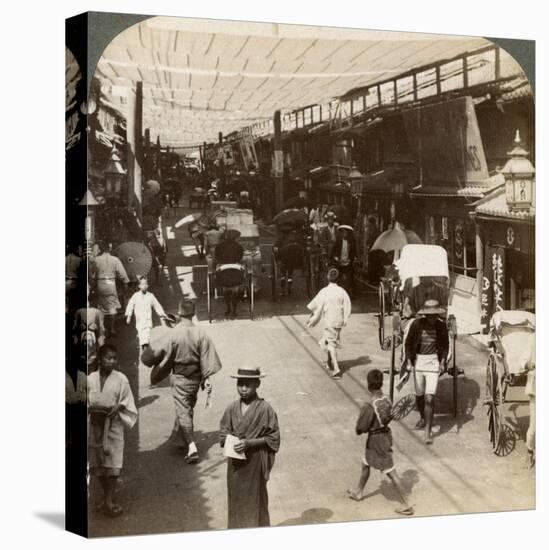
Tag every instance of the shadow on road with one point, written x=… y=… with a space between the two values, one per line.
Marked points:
x=162 y=493
x=349 y=364
x=467 y=401
x=309 y=517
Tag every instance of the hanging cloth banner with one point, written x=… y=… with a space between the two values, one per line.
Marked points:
x=446 y=140
x=247 y=149
x=493 y=285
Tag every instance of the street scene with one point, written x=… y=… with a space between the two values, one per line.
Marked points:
x=300 y=280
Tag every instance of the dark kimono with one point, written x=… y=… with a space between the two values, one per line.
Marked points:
x=248 y=501
x=374 y=420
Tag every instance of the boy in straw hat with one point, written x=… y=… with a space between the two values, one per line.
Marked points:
x=254 y=423
x=426 y=347
x=333 y=305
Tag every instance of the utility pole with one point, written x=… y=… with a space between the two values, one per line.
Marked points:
x=278 y=161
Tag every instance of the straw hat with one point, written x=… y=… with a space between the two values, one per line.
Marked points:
x=431 y=307
x=248 y=373
x=347 y=227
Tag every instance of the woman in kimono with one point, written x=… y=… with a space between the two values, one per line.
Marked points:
x=111 y=408
x=254 y=423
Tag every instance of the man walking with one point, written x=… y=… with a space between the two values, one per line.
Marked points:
x=189 y=354
x=426 y=349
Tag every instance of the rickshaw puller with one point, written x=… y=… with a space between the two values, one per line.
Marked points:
x=230 y=252
x=426 y=350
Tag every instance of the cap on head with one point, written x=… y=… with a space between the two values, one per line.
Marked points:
x=248 y=373
x=431 y=307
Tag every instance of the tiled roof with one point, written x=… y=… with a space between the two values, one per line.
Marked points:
x=495 y=204
x=470 y=190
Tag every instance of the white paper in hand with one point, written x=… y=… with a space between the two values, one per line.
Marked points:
x=228 y=449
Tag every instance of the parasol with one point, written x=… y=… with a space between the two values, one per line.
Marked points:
x=290 y=216
x=395 y=239
x=136 y=257
x=190 y=218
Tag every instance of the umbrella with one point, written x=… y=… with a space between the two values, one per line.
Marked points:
x=290 y=216
x=136 y=257
x=395 y=239
x=296 y=202
x=190 y=218
x=413 y=238
x=152 y=186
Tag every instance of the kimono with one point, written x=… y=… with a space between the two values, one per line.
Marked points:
x=333 y=305
x=248 y=500
x=374 y=420
x=106 y=454
x=107 y=269
x=142 y=305
x=188 y=354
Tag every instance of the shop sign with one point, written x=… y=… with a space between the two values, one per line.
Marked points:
x=447 y=141
x=278 y=164
x=444 y=229
x=510 y=236
x=458 y=242
x=247 y=149
x=493 y=285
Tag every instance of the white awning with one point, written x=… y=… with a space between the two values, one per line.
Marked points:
x=201 y=77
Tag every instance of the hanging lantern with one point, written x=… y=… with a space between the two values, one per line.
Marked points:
x=519 y=175
x=115 y=176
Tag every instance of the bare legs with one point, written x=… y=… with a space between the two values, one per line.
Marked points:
x=426 y=408
x=358 y=493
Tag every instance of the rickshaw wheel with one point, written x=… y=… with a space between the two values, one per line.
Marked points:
x=385 y=346
x=251 y=291
x=307 y=272
x=494 y=402
x=209 y=287
x=274 y=276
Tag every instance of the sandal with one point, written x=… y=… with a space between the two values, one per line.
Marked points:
x=336 y=376
x=420 y=424
x=405 y=511
x=353 y=496
x=192 y=458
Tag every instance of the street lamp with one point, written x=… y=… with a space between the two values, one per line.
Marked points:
x=114 y=175
x=89 y=202
x=519 y=178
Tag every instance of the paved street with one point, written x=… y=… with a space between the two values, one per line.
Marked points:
x=320 y=454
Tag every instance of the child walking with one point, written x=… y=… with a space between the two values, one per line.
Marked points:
x=142 y=304
x=374 y=420
x=333 y=305
x=111 y=408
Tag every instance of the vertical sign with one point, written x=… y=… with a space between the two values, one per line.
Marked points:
x=493 y=285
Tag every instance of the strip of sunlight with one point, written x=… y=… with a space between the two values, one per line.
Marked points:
x=185 y=279
x=188 y=250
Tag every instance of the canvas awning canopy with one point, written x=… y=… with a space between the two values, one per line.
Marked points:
x=201 y=77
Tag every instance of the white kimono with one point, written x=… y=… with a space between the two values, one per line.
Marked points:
x=116 y=391
x=142 y=305
x=74 y=395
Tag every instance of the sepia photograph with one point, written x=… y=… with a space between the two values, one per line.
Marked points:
x=299 y=274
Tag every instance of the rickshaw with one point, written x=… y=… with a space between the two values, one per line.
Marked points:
x=300 y=253
x=512 y=355
x=230 y=275
x=420 y=273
